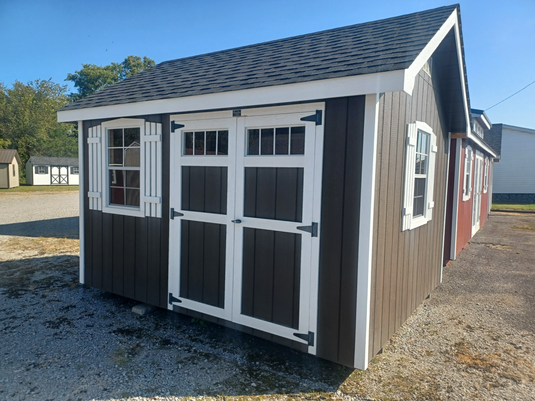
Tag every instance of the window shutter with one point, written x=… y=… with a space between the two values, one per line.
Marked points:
x=152 y=148
x=410 y=161
x=94 y=146
x=431 y=177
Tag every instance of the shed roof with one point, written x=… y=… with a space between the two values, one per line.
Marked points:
x=7 y=155
x=373 y=47
x=494 y=138
x=53 y=161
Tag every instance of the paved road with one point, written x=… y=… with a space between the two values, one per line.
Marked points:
x=39 y=214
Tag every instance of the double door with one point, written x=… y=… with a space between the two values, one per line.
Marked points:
x=59 y=175
x=244 y=235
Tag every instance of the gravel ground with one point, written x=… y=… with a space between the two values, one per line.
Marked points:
x=474 y=338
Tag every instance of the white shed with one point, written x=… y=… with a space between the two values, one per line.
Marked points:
x=52 y=171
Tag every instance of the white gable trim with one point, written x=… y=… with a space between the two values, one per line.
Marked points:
x=390 y=81
x=429 y=49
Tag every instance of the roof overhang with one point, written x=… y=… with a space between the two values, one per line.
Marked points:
x=391 y=81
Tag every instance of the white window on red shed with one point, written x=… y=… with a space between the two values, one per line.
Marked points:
x=421 y=150
x=125 y=158
x=467 y=178
x=486 y=175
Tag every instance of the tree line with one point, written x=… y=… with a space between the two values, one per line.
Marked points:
x=28 y=112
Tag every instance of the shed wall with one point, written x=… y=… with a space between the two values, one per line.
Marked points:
x=14 y=174
x=128 y=255
x=4 y=175
x=406 y=265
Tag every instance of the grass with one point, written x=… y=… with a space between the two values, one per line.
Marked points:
x=41 y=188
x=510 y=206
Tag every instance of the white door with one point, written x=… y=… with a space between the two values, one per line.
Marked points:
x=59 y=175
x=478 y=188
x=244 y=238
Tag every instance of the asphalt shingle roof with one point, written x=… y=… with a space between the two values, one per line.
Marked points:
x=493 y=138
x=372 y=47
x=7 y=155
x=53 y=161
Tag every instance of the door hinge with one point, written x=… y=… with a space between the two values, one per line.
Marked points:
x=175 y=126
x=313 y=229
x=315 y=118
x=175 y=214
x=309 y=338
x=173 y=299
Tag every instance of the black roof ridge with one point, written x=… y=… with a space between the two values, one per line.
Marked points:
x=452 y=6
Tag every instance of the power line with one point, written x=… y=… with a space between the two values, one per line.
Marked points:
x=510 y=96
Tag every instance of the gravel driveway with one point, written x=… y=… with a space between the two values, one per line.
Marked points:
x=474 y=338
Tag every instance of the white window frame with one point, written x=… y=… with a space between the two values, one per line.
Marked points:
x=122 y=209
x=486 y=175
x=408 y=221
x=467 y=173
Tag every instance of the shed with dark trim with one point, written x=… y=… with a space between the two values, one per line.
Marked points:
x=293 y=189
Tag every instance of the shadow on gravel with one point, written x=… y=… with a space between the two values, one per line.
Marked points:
x=65 y=227
x=54 y=329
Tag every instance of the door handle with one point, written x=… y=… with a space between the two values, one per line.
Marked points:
x=237 y=221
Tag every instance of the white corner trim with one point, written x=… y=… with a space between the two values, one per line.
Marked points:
x=81 y=199
x=365 y=246
x=390 y=81
x=429 y=49
x=456 y=186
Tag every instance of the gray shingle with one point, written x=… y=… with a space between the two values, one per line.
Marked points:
x=372 y=47
x=493 y=138
x=53 y=161
x=7 y=155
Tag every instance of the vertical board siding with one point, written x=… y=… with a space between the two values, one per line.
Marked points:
x=271 y=276
x=128 y=255
x=406 y=264
x=204 y=189
x=340 y=205
x=202 y=262
x=274 y=193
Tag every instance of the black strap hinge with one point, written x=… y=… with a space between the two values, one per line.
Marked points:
x=313 y=229
x=316 y=118
x=173 y=299
x=309 y=338
x=175 y=126
x=175 y=214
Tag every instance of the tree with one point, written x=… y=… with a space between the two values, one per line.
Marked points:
x=92 y=78
x=28 y=120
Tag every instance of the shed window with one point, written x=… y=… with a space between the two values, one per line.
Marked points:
x=75 y=170
x=276 y=141
x=421 y=152
x=124 y=166
x=41 y=169
x=486 y=175
x=206 y=143
x=467 y=178
x=13 y=166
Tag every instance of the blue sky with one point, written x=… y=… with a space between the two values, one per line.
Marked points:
x=49 y=39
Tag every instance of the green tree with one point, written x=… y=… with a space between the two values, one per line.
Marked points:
x=28 y=120
x=92 y=78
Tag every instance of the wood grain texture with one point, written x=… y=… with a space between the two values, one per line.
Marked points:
x=406 y=264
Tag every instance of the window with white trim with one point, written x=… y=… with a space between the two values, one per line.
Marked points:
x=124 y=158
x=486 y=176
x=467 y=178
x=421 y=150
x=41 y=169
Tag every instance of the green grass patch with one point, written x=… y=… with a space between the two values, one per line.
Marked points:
x=41 y=188
x=509 y=206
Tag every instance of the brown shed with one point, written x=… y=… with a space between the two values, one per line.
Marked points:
x=9 y=168
x=293 y=189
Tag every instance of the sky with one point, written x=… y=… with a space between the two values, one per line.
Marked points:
x=48 y=39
